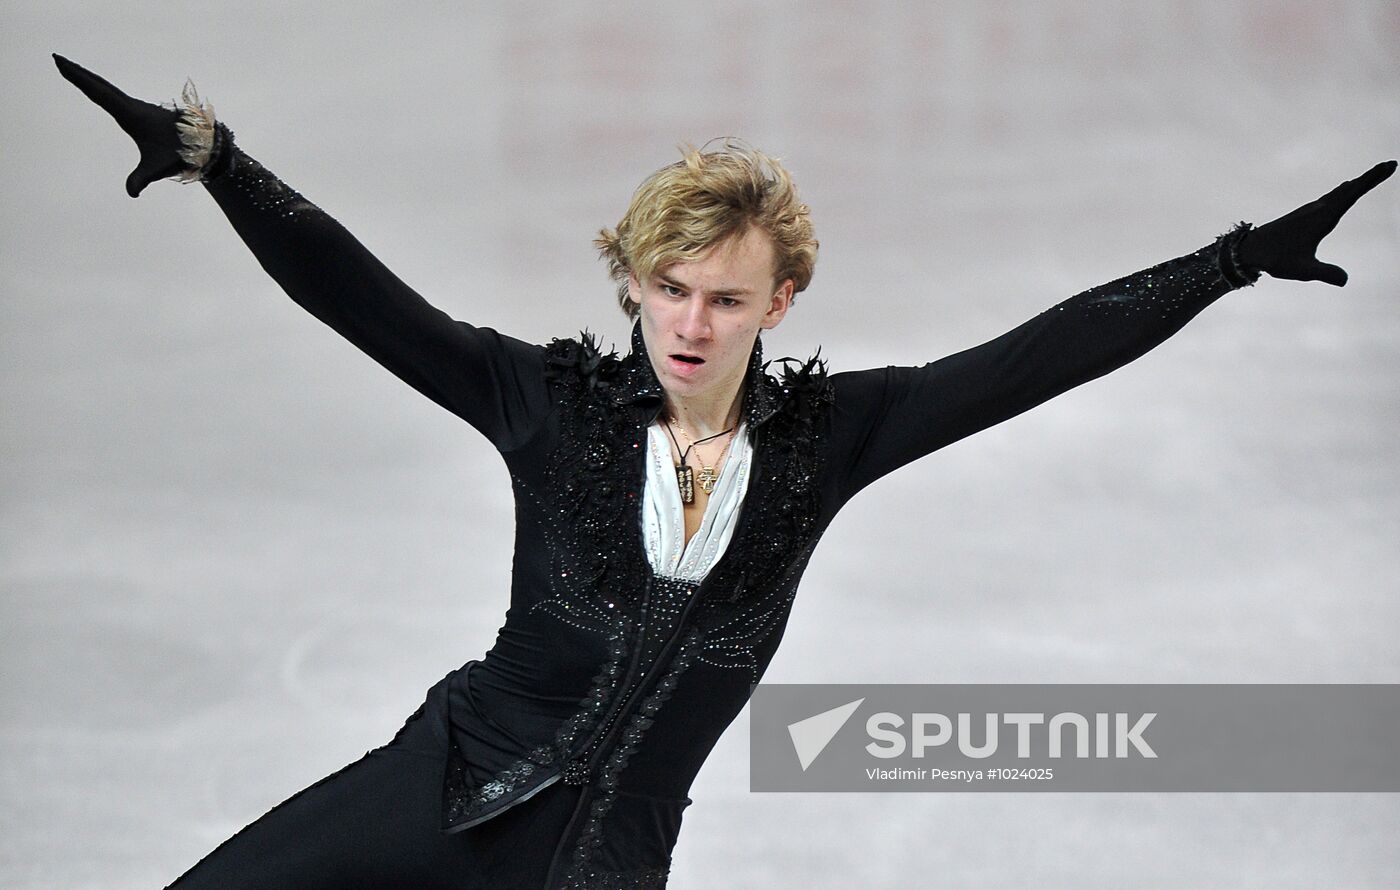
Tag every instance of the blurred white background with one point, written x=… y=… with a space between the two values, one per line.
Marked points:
x=235 y=552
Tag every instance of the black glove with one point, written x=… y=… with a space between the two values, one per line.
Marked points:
x=150 y=126
x=1287 y=247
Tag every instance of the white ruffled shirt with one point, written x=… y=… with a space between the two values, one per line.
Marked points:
x=663 y=513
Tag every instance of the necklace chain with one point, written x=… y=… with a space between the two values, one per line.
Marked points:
x=685 y=475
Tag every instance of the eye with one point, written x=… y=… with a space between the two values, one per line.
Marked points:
x=671 y=290
x=726 y=301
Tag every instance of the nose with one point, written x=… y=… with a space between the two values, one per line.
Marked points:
x=694 y=321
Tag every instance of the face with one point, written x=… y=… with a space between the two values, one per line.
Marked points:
x=700 y=318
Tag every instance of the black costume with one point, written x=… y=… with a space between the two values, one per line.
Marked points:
x=563 y=758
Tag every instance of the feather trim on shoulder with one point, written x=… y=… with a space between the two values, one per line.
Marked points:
x=582 y=357
x=804 y=383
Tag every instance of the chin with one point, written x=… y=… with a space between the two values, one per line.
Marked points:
x=681 y=385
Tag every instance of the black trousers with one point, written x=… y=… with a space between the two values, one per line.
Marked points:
x=374 y=824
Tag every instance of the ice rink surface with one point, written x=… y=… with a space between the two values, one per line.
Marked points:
x=236 y=551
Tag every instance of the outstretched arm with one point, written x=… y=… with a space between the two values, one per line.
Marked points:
x=492 y=381
x=888 y=417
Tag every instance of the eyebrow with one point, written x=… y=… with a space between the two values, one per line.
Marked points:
x=718 y=292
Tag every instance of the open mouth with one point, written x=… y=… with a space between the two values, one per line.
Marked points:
x=688 y=359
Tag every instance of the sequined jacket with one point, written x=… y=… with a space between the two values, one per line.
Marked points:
x=608 y=681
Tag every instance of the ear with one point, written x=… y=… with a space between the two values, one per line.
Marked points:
x=782 y=299
x=634 y=288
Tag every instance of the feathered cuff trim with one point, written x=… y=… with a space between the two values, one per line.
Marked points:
x=1228 y=257
x=197 y=134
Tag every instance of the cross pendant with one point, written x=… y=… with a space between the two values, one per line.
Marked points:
x=708 y=477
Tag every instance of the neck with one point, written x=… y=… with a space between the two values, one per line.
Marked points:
x=702 y=417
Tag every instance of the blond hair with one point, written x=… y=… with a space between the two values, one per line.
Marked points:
x=707 y=197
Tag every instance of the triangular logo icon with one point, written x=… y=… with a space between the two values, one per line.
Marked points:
x=811 y=736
